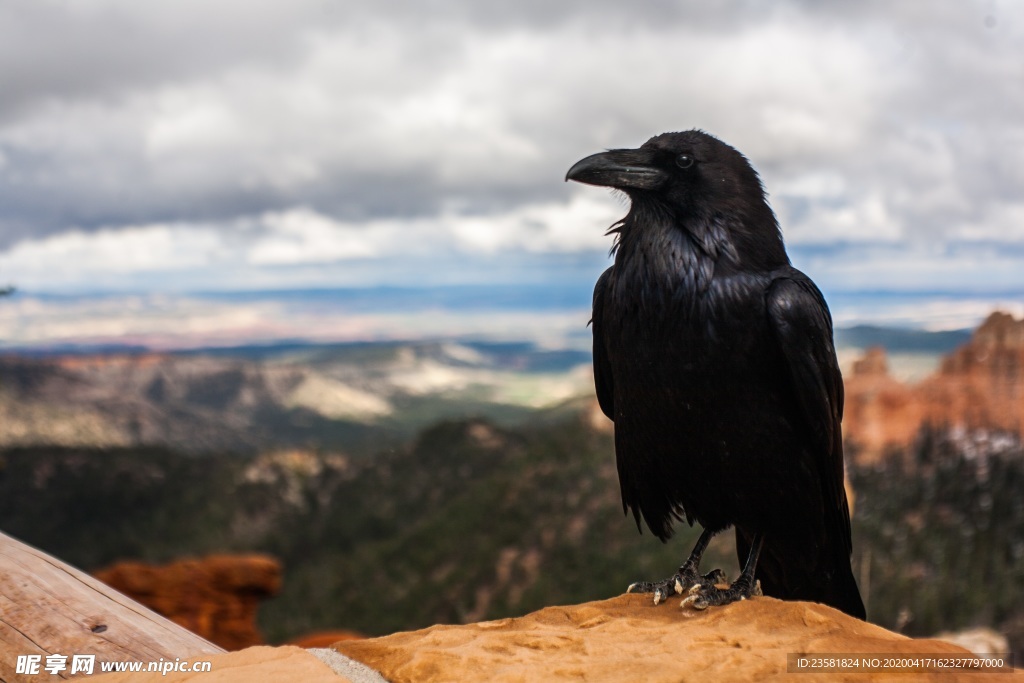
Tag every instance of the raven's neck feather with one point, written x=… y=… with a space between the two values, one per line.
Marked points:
x=708 y=242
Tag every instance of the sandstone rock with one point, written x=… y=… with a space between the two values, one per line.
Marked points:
x=628 y=639
x=324 y=638
x=215 y=597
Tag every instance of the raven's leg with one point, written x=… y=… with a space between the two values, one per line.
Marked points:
x=685 y=578
x=702 y=597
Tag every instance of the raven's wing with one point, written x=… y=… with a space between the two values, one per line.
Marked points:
x=803 y=329
x=602 y=366
x=821 y=570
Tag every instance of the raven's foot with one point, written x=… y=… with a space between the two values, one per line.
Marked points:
x=701 y=597
x=685 y=580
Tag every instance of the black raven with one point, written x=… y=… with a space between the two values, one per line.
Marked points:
x=714 y=357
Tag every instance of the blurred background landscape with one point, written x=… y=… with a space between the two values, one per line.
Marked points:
x=301 y=285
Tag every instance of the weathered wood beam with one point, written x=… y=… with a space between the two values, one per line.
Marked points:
x=49 y=607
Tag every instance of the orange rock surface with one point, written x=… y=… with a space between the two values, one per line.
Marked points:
x=980 y=386
x=215 y=597
x=324 y=638
x=629 y=639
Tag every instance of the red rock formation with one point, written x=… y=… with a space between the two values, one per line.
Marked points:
x=215 y=597
x=881 y=412
x=980 y=386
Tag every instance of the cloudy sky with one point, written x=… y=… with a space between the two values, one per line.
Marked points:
x=168 y=147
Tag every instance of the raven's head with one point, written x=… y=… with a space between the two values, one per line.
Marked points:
x=707 y=187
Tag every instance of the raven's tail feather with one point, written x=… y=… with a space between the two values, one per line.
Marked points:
x=815 y=574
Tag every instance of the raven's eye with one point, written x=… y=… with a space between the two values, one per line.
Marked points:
x=684 y=161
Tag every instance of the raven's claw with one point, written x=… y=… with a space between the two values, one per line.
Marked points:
x=685 y=580
x=701 y=598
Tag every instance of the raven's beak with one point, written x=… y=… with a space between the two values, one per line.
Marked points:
x=620 y=168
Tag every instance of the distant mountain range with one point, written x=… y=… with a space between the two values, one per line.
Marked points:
x=897 y=340
x=352 y=397
x=893 y=339
x=551 y=313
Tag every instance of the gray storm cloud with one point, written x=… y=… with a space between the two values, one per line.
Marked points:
x=895 y=126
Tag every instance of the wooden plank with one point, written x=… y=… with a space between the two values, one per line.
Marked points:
x=49 y=607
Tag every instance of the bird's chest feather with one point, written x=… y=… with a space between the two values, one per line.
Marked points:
x=674 y=311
